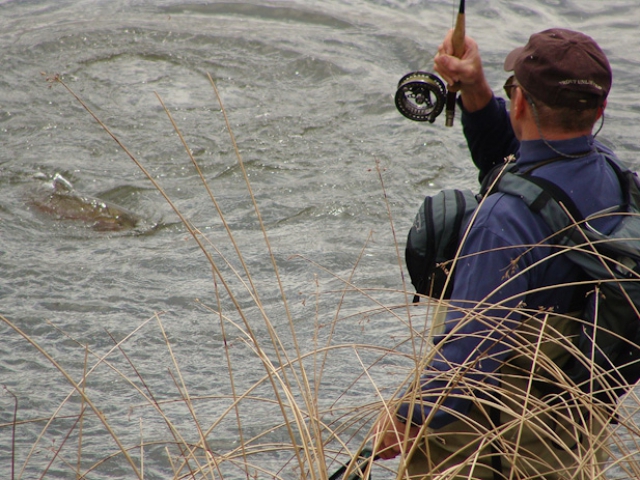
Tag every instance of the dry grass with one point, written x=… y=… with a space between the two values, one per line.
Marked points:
x=282 y=424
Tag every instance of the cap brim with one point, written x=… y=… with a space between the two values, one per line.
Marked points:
x=510 y=61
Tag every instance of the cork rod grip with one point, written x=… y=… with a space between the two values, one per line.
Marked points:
x=458 y=50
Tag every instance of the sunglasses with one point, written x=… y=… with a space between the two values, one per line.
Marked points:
x=510 y=84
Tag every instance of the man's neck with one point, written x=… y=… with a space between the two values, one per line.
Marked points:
x=531 y=132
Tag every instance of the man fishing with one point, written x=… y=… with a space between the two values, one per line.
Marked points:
x=472 y=416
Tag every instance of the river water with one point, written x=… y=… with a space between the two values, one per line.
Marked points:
x=308 y=89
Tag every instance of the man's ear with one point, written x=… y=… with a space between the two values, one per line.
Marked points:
x=518 y=103
x=601 y=110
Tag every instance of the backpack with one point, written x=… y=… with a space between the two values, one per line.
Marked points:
x=433 y=240
x=610 y=334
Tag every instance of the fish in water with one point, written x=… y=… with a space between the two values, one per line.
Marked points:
x=64 y=203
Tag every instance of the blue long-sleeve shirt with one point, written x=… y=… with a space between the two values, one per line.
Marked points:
x=497 y=280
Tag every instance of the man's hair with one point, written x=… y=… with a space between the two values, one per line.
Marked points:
x=563 y=119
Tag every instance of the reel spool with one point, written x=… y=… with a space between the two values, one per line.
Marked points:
x=421 y=96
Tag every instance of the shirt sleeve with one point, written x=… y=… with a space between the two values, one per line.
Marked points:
x=478 y=344
x=477 y=337
x=489 y=135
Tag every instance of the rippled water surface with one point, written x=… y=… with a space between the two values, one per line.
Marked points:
x=308 y=89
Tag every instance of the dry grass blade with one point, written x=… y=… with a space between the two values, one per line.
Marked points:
x=82 y=408
x=13 y=430
x=79 y=390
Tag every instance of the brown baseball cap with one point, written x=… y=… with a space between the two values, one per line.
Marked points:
x=562 y=68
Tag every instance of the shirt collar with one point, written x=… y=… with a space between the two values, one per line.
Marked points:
x=533 y=151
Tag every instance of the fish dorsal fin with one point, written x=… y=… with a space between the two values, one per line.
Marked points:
x=61 y=184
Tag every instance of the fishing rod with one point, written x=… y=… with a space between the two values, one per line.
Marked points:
x=421 y=96
x=359 y=470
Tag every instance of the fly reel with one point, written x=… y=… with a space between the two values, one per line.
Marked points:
x=421 y=96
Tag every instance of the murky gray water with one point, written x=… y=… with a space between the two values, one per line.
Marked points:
x=308 y=88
